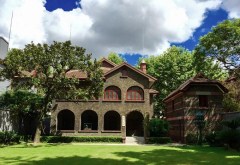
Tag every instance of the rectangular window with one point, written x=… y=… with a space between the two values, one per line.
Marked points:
x=173 y=105
x=203 y=100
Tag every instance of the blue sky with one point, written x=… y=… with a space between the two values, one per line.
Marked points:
x=131 y=28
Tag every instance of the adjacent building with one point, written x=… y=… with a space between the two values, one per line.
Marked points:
x=198 y=94
x=5 y=122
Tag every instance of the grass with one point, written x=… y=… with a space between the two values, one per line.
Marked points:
x=85 y=154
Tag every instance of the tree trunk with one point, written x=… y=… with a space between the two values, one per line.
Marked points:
x=37 y=133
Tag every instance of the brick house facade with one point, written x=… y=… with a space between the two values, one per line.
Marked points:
x=198 y=94
x=126 y=99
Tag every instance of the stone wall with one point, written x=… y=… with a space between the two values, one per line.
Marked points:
x=101 y=107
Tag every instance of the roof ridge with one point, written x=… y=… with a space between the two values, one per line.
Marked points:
x=133 y=68
x=108 y=61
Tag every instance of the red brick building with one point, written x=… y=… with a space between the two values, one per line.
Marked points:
x=196 y=94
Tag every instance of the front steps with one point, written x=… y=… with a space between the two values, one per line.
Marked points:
x=134 y=140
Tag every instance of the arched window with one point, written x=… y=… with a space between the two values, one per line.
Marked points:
x=135 y=93
x=112 y=93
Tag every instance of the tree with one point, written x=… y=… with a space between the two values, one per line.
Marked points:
x=231 y=99
x=222 y=44
x=44 y=68
x=174 y=67
x=21 y=104
x=114 y=57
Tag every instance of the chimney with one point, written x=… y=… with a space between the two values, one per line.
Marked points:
x=143 y=66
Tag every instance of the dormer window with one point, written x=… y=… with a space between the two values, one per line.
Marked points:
x=135 y=93
x=124 y=73
x=112 y=93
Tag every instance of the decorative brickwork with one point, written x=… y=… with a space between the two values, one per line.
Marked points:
x=196 y=94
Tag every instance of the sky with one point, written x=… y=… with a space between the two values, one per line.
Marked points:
x=132 y=28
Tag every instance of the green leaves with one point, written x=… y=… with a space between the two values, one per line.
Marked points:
x=175 y=66
x=115 y=58
x=45 y=68
x=222 y=44
x=21 y=101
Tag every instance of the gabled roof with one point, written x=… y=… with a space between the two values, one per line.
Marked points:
x=3 y=39
x=199 y=79
x=82 y=75
x=132 y=68
x=108 y=61
x=76 y=74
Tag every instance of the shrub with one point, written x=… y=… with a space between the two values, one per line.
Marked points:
x=9 y=137
x=70 y=139
x=213 y=139
x=158 y=140
x=231 y=138
x=158 y=127
x=191 y=138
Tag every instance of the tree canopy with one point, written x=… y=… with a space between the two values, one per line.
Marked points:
x=223 y=45
x=115 y=58
x=173 y=67
x=43 y=68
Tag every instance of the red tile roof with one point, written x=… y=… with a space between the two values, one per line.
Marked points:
x=198 y=79
x=76 y=74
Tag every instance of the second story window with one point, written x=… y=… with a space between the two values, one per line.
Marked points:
x=135 y=93
x=112 y=93
x=203 y=101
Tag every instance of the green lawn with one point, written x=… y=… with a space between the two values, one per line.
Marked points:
x=68 y=154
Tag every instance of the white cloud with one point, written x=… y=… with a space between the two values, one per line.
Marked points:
x=27 y=22
x=233 y=8
x=103 y=26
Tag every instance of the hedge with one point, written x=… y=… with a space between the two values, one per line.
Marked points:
x=158 y=140
x=9 y=137
x=70 y=139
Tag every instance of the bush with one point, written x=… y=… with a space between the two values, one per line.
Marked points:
x=158 y=140
x=158 y=127
x=213 y=139
x=231 y=138
x=70 y=139
x=9 y=137
x=191 y=138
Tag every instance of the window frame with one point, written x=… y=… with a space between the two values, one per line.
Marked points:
x=112 y=93
x=135 y=95
x=203 y=101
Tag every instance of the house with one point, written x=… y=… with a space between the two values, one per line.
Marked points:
x=127 y=98
x=5 y=122
x=198 y=94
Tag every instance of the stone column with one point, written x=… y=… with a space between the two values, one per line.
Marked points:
x=123 y=126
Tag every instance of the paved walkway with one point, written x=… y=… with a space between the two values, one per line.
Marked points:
x=123 y=144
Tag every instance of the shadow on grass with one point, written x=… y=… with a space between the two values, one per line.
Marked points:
x=168 y=155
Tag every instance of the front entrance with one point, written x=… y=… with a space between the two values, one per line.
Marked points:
x=134 y=125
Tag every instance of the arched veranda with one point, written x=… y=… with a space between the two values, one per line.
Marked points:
x=112 y=121
x=65 y=120
x=89 y=120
